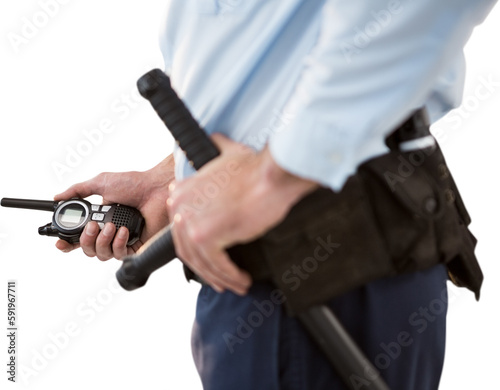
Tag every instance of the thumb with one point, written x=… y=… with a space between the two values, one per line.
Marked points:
x=221 y=141
x=227 y=145
x=82 y=190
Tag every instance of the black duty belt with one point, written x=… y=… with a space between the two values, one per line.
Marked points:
x=401 y=212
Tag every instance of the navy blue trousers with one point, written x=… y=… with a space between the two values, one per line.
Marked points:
x=249 y=343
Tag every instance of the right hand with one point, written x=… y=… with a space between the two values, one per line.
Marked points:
x=146 y=191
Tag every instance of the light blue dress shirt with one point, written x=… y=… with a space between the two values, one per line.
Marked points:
x=323 y=82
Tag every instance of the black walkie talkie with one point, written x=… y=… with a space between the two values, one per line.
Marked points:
x=71 y=216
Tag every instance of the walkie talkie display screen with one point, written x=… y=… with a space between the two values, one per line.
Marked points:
x=72 y=216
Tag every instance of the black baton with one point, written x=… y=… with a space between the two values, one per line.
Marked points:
x=319 y=321
x=199 y=149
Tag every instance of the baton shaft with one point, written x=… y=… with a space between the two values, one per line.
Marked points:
x=340 y=349
x=342 y=352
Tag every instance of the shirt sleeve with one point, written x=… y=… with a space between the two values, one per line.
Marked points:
x=372 y=65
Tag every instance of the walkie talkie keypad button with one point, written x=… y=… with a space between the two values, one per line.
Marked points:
x=95 y=207
x=98 y=217
x=105 y=209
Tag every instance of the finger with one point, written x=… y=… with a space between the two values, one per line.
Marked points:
x=226 y=145
x=221 y=141
x=65 y=246
x=187 y=253
x=88 y=238
x=120 y=249
x=80 y=190
x=210 y=263
x=103 y=242
x=231 y=277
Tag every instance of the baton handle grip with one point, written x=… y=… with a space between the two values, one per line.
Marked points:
x=155 y=87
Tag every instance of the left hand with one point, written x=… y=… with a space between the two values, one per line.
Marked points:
x=233 y=199
x=147 y=191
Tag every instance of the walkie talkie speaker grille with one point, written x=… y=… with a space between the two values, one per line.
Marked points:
x=122 y=216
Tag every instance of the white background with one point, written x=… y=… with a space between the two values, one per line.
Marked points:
x=79 y=69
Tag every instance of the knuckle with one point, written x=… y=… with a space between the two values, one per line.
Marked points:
x=86 y=241
x=197 y=235
x=173 y=202
x=104 y=252
x=103 y=242
x=102 y=176
x=171 y=206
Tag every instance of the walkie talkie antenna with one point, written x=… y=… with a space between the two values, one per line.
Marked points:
x=31 y=204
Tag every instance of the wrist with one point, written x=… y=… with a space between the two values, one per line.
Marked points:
x=162 y=174
x=276 y=179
